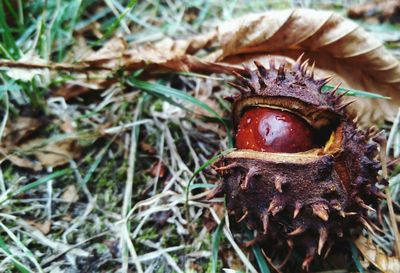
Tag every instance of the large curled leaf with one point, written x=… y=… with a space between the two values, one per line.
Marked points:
x=337 y=45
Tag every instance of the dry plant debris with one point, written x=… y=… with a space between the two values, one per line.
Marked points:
x=113 y=111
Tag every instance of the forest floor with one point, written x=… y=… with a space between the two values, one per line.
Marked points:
x=102 y=171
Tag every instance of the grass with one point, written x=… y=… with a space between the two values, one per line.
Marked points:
x=127 y=215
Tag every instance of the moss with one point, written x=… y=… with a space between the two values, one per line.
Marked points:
x=149 y=233
x=8 y=173
x=158 y=105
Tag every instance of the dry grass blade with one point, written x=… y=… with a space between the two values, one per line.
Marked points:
x=392 y=214
x=126 y=242
x=231 y=240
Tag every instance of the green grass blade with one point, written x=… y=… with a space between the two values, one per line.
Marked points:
x=355 y=256
x=96 y=163
x=21 y=268
x=41 y=181
x=200 y=169
x=262 y=264
x=354 y=92
x=21 y=246
x=7 y=41
x=215 y=245
x=171 y=92
x=118 y=20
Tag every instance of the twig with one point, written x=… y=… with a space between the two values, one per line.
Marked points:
x=82 y=67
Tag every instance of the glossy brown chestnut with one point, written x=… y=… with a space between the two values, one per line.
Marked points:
x=272 y=130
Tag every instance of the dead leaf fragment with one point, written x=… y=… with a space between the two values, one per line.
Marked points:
x=157 y=169
x=116 y=54
x=53 y=154
x=18 y=129
x=19 y=161
x=383 y=10
x=23 y=74
x=147 y=148
x=111 y=53
x=376 y=256
x=70 y=195
x=48 y=154
x=43 y=226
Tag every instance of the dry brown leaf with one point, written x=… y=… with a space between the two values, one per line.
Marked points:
x=26 y=75
x=110 y=55
x=336 y=45
x=383 y=10
x=48 y=154
x=376 y=256
x=70 y=195
x=147 y=148
x=68 y=217
x=19 y=161
x=19 y=129
x=115 y=54
x=44 y=227
x=73 y=89
x=53 y=154
x=157 y=169
x=16 y=145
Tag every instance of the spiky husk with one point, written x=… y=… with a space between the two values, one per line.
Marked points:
x=311 y=199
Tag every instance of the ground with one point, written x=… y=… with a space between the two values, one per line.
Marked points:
x=105 y=171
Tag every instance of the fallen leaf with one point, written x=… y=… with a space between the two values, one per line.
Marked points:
x=79 y=50
x=70 y=195
x=23 y=74
x=48 y=154
x=165 y=52
x=67 y=125
x=157 y=169
x=147 y=148
x=335 y=44
x=19 y=161
x=19 y=129
x=110 y=55
x=43 y=226
x=53 y=154
x=384 y=10
x=376 y=256
x=73 y=89
x=67 y=217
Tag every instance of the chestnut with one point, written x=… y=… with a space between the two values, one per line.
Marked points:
x=295 y=196
x=272 y=130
